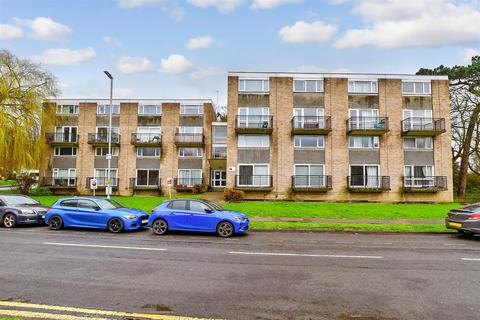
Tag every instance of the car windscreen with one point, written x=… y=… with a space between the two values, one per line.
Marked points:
x=19 y=200
x=109 y=204
x=473 y=207
x=214 y=205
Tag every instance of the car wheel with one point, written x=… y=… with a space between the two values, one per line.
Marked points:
x=225 y=229
x=115 y=225
x=55 y=223
x=9 y=220
x=160 y=227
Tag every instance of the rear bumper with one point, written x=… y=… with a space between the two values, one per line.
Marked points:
x=468 y=226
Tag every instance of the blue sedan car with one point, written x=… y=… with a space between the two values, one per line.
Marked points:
x=197 y=215
x=98 y=213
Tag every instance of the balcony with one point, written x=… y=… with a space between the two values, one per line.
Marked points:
x=311 y=183
x=101 y=140
x=311 y=125
x=102 y=182
x=60 y=182
x=368 y=184
x=367 y=126
x=189 y=139
x=424 y=184
x=254 y=182
x=186 y=184
x=254 y=124
x=61 y=139
x=146 y=139
x=145 y=184
x=428 y=127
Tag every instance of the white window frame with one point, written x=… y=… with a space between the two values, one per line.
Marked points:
x=115 y=151
x=319 y=85
x=426 y=88
x=352 y=87
x=62 y=132
x=196 y=130
x=115 y=177
x=102 y=109
x=245 y=119
x=254 y=183
x=265 y=85
x=218 y=183
x=61 y=106
x=309 y=184
x=198 y=107
x=59 y=155
x=148 y=177
x=365 y=183
x=416 y=143
x=412 y=178
x=320 y=138
x=189 y=176
x=115 y=130
x=375 y=142
x=158 y=109
x=181 y=153
x=158 y=152
x=71 y=174
x=264 y=137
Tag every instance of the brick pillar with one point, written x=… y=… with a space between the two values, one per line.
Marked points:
x=208 y=117
x=127 y=156
x=87 y=121
x=232 y=150
x=169 y=157
x=48 y=126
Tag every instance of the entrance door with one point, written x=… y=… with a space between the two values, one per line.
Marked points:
x=219 y=178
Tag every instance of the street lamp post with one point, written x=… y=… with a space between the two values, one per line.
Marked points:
x=109 y=155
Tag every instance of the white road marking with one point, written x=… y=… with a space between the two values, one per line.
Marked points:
x=454 y=244
x=304 y=255
x=471 y=259
x=101 y=246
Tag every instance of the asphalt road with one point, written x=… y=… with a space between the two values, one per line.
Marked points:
x=264 y=275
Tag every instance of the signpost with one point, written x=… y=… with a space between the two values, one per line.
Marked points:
x=169 y=185
x=93 y=185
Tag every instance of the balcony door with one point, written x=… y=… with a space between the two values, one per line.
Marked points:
x=147 y=177
x=66 y=134
x=417 y=120
x=365 y=176
x=253 y=118
x=309 y=175
x=148 y=134
x=363 y=118
x=189 y=177
x=308 y=118
x=419 y=176
x=64 y=177
x=255 y=175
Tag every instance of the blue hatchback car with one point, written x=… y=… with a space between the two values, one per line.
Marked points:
x=197 y=215
x=98 y=213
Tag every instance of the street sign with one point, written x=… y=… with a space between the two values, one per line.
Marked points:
x=93 y=184
x=169 y=182
x=109 y=156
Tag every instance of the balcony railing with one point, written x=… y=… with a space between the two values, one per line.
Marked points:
x=311 y=182
x=423 y=126
x=102 y=139
x=367 y=125
x=424 y=184
x=254 y=124
x=186 y=183
x=60 y=182
x=102 y=182
x=189 y=139
x=365 y=183
x=254 y=181
x=61 y=138
x=144 y=183
x=311 y=125
x=146 y=139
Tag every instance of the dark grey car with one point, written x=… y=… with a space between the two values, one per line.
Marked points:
x=20 y=210
x=465 y=220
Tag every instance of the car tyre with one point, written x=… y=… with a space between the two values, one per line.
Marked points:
x=9 y=220
x=55 y=223
x=225 y=229
x=115 y=225
x=160 y=227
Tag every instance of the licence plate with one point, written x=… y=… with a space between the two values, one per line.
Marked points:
x=454 y=224
x=144 y=221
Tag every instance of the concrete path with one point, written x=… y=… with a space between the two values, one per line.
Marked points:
x=371 y=221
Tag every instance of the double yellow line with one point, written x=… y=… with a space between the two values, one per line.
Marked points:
x=92 y=314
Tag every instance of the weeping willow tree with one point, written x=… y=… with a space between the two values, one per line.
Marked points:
x=23 y=88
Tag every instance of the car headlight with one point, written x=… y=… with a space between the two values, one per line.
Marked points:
x=239 y=219
x=28 y=211
x=130 y=217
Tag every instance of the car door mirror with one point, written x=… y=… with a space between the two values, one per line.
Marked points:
x=98 y=208
x=208 y=210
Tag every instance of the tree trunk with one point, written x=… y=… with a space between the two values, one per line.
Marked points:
x=465 y=158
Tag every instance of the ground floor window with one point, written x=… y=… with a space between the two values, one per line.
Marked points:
x=253 y=175
x=364 y=176
x=309 y=175
x=419 y=176
x=219 y=178
x=101 y=176
x=64 y=177
x=189 y=177
x=147 y=177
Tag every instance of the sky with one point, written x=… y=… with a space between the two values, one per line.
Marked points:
x=169 y=49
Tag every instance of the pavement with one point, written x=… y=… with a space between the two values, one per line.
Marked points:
x=84 y=274
x=370 y=221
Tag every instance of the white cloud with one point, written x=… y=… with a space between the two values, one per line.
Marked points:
x=176 y=64
x=270 y=4
x=8 y=32
x=64 y=57
x=202 y=73
x=199 y=42
x=467 y=54
x=175 y=11
x=413 y=23
x=127 y=64
x=306 y=32
x=45 y=28
x=112 y=41
x=222 y=5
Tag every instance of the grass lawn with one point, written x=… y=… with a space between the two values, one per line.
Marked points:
x=6 y=183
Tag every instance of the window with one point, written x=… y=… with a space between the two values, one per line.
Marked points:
x=419 y=176
x=363 y=142
x=309 y=175
x=219 y=178
x=219 y=152
x=67 y=109
x=418 y=120
x=253 y=118
x=103 y=151
x=307 y=85
x=412 y=113
x=149 y=109
x=64 y=177
x=69 y=203
x=418 y=143
x=101 y=176
x=355 y=86
x=309 y=141
x=189 y=177
x=253 y=141
x=191 y=109
x=190 y=152
x=87 y=204
x=103 y=132
x=178 y=205
x=66 y=134
x=105 y=109
x=147 y=177
x=198 y=206
x=65 y=151
x=416 y=87
x=362 y=119
x=148 y=152
x=253 y=175
x=219 y=134
x=253 y=85
x=308 y=118
x=190 y=130
x=365 y=176
x=149 y=134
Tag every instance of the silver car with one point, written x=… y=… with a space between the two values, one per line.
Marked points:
x=465 y=220
x=19 y=209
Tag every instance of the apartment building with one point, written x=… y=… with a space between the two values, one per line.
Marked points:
x=152 y=141
x=339 y=137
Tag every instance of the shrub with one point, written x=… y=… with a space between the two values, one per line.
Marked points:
x=199 y=188
x=25 y=182
x=40 y=191
x=233 y=195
